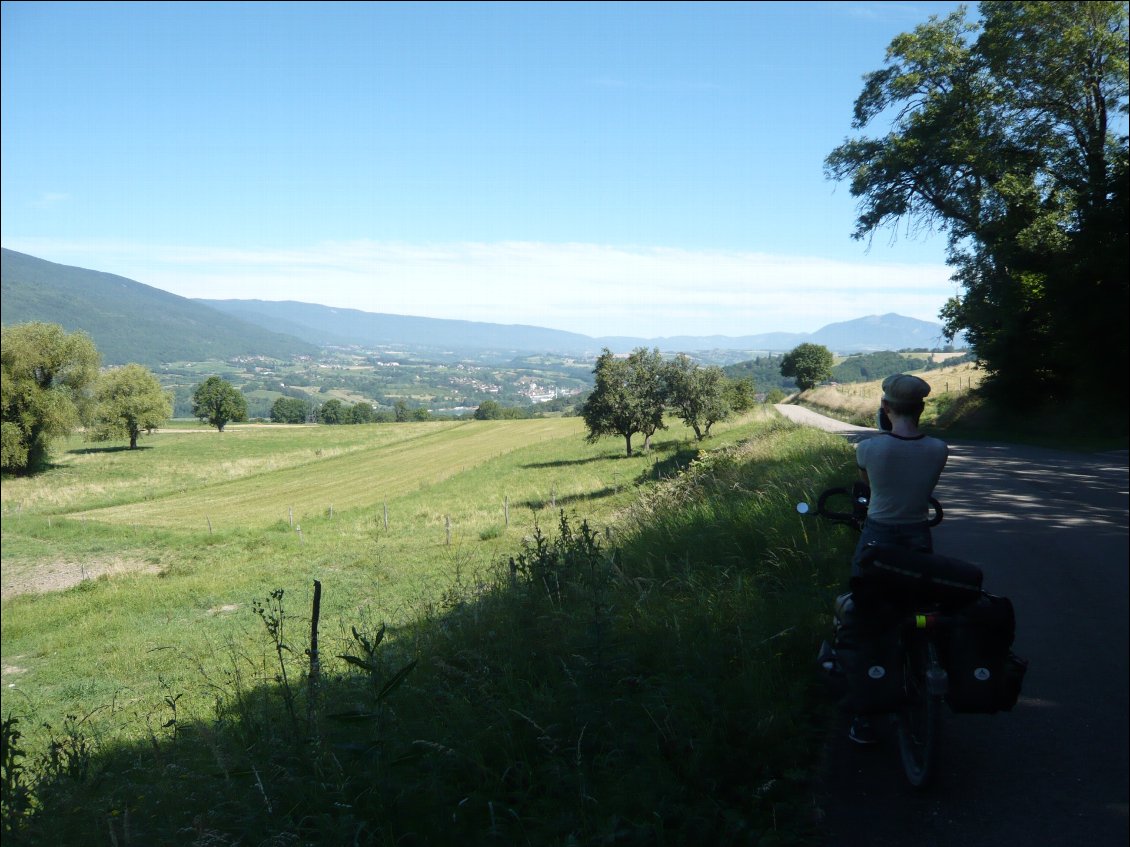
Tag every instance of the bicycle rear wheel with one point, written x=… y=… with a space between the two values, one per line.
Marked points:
x=920 y=718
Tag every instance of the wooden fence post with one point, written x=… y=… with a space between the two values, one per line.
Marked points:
x=447 y=524
x=315 y=665
x=506 y=511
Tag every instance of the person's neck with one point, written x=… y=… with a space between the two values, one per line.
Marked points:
x=904 y=427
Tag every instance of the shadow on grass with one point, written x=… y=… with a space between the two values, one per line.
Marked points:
x=565 y=463
x=569 y=499
x=88 y=451
x=678 y=457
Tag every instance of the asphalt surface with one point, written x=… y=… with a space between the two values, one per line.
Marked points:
x=1049 y=530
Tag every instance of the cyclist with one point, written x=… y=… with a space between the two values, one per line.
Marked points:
x=901 y=466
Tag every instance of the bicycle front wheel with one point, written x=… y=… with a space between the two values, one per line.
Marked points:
x=920 y=718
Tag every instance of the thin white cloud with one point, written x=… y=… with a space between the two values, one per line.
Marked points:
x=592 y=289
x=50 y=200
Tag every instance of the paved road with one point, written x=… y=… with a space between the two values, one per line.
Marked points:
x=1049 y=529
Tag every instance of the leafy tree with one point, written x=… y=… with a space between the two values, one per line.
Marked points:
x=361 y=413
x=697 y=394
x=289 y=410
x=739 y=393
x=47 y=375
x=1010 y=136
x=648 y=387
x=627 y=397
x=489 y=410
x=216 y=401
x=128 y=400
x=608 y=410
x=517 y=413
x=809 y=364
x=492 y=410
x=401 y=411
x=333 y=411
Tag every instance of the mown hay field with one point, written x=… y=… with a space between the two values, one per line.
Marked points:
x=311 y=479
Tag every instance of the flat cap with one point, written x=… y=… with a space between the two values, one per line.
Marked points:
x=905 y=388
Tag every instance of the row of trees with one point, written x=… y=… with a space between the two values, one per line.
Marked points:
x=294 y=410
x=1010 y=135
x=51 y=384
x=633 y=394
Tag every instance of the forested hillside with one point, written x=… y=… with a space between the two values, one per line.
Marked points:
x=765 y=371
x=130 y=321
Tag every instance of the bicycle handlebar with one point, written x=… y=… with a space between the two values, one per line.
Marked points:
x=860 y=496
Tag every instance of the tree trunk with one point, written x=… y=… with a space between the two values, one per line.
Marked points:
x=628 y=440
x=133 y=439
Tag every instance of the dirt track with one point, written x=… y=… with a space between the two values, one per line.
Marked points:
x=1049 y=529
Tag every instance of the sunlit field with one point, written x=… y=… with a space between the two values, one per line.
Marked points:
x=114 y=557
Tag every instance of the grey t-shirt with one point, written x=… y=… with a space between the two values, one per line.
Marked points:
x=902 y=473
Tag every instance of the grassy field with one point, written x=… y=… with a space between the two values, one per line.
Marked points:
x=149 y=593
x=196 y=524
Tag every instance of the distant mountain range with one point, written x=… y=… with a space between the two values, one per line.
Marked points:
x=129 y=321
x=133 y=322
x=325 y=325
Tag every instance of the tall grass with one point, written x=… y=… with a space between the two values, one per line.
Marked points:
x=952 y=389
x=957 y=407
x=630 y=664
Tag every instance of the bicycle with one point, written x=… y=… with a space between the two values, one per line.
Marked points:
x=912 y=597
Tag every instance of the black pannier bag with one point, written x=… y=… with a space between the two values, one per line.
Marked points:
x=868 y=651
x=913 y=578
x=985 y=676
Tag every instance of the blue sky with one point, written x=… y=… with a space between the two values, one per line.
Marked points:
x=643 y=169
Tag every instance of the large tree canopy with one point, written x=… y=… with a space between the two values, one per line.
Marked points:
x=698 y=394
x=627 y=398
x=45 y=386
x=1010 y=135
x=216 y=402
x=809 y=364
x=128 y=400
